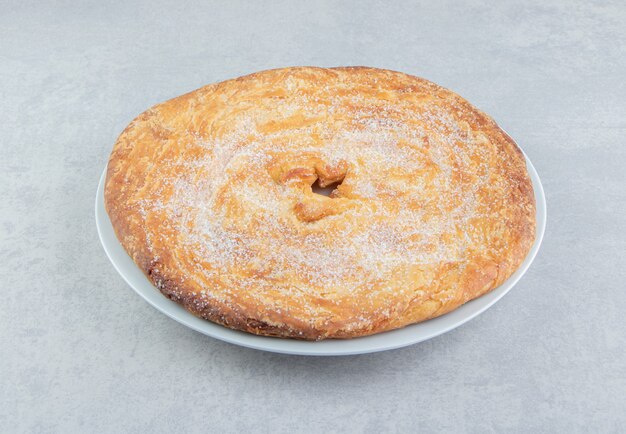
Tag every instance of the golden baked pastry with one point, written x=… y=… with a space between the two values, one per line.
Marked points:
x=211 y=195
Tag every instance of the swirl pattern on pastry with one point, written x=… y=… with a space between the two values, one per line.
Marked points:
x=211 y=195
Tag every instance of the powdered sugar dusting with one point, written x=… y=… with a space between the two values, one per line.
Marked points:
x=404 y=203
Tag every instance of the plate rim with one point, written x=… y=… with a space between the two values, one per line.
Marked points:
x=333 y=347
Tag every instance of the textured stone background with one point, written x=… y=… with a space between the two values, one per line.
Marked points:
x=80 y=351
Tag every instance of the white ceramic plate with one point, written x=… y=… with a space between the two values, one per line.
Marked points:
x=369 y=344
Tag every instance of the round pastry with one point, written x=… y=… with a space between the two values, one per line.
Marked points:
x=214 y=196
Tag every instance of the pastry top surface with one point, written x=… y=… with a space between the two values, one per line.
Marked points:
x=211 y=195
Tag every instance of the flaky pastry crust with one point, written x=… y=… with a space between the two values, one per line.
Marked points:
x=211 y=195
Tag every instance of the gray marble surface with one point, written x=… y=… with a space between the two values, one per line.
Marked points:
x=81 y=352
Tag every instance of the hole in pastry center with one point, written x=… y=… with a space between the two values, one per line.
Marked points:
x=327 y=190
